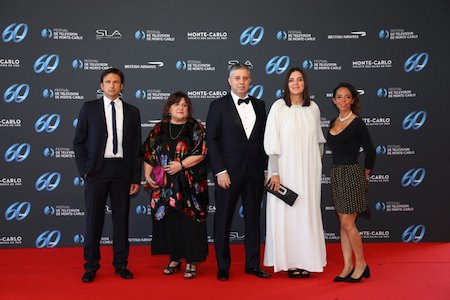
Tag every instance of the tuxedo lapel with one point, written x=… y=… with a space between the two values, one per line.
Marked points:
x=259 y=117
x=231 y=108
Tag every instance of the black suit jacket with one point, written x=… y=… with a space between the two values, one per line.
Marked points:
x=90 y=140
x=228 y=146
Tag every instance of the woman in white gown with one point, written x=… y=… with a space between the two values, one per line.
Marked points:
x=294 y=142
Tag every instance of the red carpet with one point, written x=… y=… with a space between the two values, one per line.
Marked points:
x=399 y=271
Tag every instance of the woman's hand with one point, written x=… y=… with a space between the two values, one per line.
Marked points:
x=151 y=182
x=172 y=167
x=274 y=183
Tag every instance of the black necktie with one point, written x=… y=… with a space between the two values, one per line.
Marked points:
x=246 y=101
x=114 y=128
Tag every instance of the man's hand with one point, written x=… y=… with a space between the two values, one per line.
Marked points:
x=224 y=180
x=134 y=189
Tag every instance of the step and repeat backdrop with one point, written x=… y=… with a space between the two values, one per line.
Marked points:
x=52 y=54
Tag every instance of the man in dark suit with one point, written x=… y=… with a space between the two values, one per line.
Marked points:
x=107 y=153
x=234 y=135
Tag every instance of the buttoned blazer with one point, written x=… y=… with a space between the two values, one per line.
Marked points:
x=228 y=146
x=90 y=140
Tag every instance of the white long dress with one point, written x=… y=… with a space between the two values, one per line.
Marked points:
x=294 y=235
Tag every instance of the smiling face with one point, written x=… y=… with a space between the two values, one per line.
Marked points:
x=296 y=84
x=343 y=100
x=179 y=111
x=111 y=86
x=239 y=81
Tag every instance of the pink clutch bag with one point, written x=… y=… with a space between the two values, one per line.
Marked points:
x=159 y=175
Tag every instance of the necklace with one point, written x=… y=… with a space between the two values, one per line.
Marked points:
x=343 y=119
x=170 y=131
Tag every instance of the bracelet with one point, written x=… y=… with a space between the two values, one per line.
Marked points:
x=182 y=167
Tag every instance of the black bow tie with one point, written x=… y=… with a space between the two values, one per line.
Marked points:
x=246 y=101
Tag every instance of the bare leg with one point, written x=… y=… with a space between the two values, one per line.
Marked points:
x=348 y=226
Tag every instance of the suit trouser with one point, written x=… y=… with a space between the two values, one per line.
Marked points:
x=112 y=182
x=226 y=200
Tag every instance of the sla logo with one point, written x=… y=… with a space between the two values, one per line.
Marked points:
x=413 y=177
x=78 y=239
x=416 y=62
x=46 y=63
x=251 y=36
x=75 y=123
x=48 y=239
x=48 y=181
x=413 y=233
x=18 y=211
x=17 y=152
x=277 y=64
x=256 y=91
x=414 y=120
x=16 y=93
x=15 y=32
x=47 y=123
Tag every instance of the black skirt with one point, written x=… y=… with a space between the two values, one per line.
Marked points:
x=180 y=237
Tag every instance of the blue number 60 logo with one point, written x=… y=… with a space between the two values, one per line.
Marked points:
x=277 y=64
x=416 y=62
x=414 y=120
x=413 y=233
x=48 y=239
x=413 y=177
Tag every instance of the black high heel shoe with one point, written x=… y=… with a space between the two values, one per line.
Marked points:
x=170 y=270
x=342 y=279
x=190 y=272
x=365 y=274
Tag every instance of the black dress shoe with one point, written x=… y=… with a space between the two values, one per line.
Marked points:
x=342 y=279
x=88 y=276
x=257 y=272
x=223 y=275
x=124 y=273
x=365 y=274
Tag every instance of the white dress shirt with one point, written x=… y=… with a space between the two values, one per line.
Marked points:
x=246 y=113
x=119 y=125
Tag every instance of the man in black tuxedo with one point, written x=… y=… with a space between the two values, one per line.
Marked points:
x=107 y=153
x=234 y=135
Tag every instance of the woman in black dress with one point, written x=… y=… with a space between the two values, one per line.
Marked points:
x=349 y=180
x=176 y=176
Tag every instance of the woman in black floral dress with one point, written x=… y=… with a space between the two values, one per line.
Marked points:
x=179 y=197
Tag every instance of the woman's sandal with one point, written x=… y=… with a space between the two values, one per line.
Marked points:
x=190 y=273
x=295 y=273
x=304 y=273
x=298 y=273
x=171 y=269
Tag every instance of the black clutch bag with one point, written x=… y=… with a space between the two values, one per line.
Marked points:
x=284 y=193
